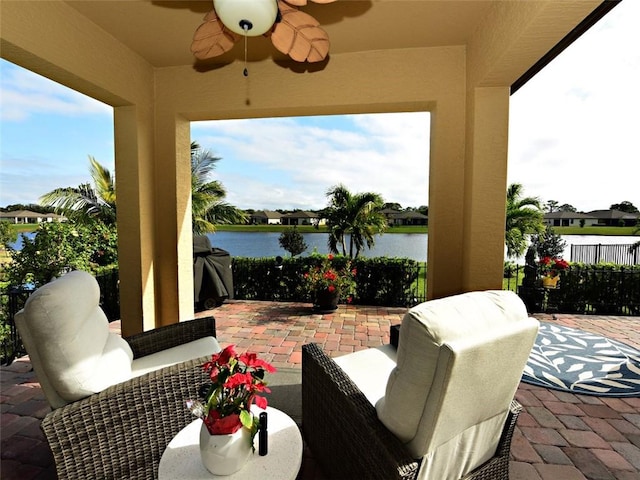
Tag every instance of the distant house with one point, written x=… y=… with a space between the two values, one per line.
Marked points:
x=615 y=218
x=569 y=219
x=301 y=218
x=389 y=214
x=266 y=217
x=409 y=218
x=396 y=217
x=27 y=216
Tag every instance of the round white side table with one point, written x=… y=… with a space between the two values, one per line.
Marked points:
x=181 y=459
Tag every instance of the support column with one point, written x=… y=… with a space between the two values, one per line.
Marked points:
x=446 y=195
x=135 y=210
x=173 y=231
x=485 y=188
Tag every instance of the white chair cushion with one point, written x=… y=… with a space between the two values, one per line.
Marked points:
x=67 y=337
x=203 y=347
x=475 y=342
x=369 y=369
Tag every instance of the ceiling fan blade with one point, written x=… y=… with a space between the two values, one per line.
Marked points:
x=299 y=35
x=212 y=38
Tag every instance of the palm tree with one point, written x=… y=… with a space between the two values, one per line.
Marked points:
x=87 y=203
x=207 y=197
x=357 y=215
x=524 y=217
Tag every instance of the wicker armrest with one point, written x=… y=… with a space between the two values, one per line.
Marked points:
x=121 y=432
x=342 y=428
x=162 y=338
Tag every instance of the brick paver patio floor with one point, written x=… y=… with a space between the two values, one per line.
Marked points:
x=559 y=436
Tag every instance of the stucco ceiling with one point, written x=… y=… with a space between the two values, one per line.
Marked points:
x=161 y=31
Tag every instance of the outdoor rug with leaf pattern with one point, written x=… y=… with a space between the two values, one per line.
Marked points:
x=576 y=361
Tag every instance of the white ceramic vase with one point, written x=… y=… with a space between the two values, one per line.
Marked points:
x=225 y=454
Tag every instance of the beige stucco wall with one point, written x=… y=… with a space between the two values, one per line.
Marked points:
x=465 y=87
x=55 y=41
x=414 y=80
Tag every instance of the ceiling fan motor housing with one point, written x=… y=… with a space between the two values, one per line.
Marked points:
x=247 y=17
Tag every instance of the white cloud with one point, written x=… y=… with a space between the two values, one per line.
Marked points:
x=291 y=163
x=25 y=93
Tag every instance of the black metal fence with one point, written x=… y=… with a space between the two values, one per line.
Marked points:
x=583 y=289
x=587 y=289
x=380 y=281
x=618 y=254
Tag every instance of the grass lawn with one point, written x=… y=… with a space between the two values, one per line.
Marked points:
x=24 y=227
x=594 y=230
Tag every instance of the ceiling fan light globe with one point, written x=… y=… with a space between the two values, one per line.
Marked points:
x=236 y=14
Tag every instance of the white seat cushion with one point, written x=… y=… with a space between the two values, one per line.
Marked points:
x=369 y=369
x=202 y=347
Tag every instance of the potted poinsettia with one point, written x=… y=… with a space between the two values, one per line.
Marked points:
x=329 y=280
x=229 y=426
x=549 y=268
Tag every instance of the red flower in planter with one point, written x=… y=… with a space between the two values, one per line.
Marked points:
x=331 y=274
x=236 y=381
x=549 y=266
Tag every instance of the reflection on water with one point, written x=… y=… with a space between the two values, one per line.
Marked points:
x=243 y=244
x=405 y=245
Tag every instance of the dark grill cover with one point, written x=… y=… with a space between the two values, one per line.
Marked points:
x=212 y=275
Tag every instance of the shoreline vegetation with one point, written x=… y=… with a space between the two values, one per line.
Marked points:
x=405 y=229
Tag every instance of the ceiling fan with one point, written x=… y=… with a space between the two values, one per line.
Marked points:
x=292 y=31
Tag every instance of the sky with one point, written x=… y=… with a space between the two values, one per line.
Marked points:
x=573 y=137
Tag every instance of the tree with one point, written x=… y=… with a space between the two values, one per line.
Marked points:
x=61 y=246
x=548 y=243
x=292 y=241
x=625 y=206
x=551 y=206
x=207 y=197
x=356 y=215
x=392 y=206
x=7 y=234
x=524 y=217
x=86 y=203
x=567 y=208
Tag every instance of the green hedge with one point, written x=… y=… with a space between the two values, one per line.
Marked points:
x=379 y=281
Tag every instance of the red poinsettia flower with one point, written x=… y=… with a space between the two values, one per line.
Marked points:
x=235 y=380
x=549 y=266
x=330 y=274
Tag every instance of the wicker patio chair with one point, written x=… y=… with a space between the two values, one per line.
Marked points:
x=120 y=431
x=350 y=433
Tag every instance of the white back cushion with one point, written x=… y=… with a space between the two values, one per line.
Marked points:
x=459 y=363
x=67 y=337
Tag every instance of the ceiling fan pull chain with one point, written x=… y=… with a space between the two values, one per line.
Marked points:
x=245 y=72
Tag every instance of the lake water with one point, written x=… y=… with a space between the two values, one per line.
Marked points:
x=410 y=245
x=242 y=244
